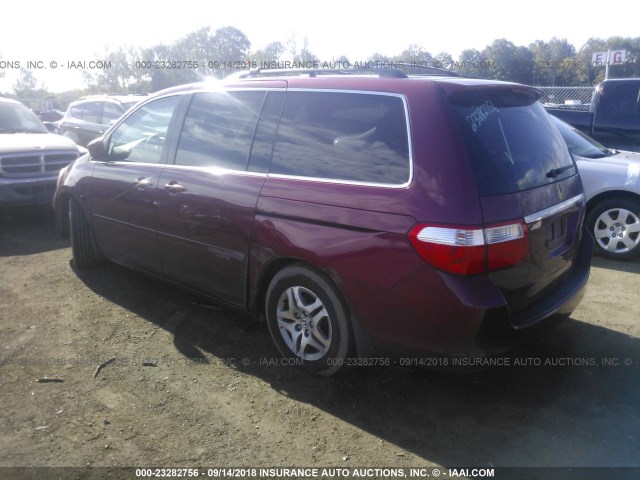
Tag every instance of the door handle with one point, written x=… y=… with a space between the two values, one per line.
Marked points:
x=142 y=183
x=174 y=187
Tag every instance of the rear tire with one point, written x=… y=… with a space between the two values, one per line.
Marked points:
x=615 y=224
x=308 y=321
x=83 y=246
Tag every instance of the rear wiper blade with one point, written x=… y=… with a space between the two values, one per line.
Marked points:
x=557 y=171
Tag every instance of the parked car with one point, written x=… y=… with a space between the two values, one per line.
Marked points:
x=89 y=117
x=613 y=118
x=50 y=119
x=49 y=115
x=359 y=213
x=30 y=157
x=611 y=180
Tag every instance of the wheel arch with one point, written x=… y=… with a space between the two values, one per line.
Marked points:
x=269 y=271
x=62 y=214
x=611 y=194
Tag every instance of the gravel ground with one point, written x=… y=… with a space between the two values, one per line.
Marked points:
x=195 y=385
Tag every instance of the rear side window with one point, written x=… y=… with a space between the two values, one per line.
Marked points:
x=510 y=140
x=92 y=112
x=358 y=137
x=110 y=113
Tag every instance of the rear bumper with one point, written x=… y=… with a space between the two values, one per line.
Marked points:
x=499 y=331
x=431 y=312
x=27 y=191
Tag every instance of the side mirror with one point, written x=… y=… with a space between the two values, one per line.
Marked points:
x=97 y=149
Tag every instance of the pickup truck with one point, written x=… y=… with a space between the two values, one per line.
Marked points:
x=613 y=118
x=30 y=156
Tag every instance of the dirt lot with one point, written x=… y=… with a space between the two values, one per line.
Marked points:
x=193 y=385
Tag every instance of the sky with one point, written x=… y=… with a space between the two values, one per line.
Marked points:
x=62 y=31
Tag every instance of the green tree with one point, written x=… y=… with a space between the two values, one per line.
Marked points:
x=123 y=76
x=555 y=63
x=415 y=54
x=444 y=60
x=473 y=63
x=305 y=55
x=378 y=57
x=26 y=84
x=271 y=53
x=508 y=62
x=231 y=47
x=29 y=92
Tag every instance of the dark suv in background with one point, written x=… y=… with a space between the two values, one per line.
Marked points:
x=89 y=117
x=360 y=213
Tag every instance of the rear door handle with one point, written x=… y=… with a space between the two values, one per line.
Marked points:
x=174 y=187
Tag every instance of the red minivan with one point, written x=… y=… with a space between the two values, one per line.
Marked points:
x=364 y=214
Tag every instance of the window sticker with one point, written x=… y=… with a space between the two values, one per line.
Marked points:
x=481 y=114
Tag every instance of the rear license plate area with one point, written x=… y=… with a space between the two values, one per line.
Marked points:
x=556 y=233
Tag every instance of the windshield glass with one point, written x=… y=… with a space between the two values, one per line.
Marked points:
x=510 y=140
x=16 y=118
x=580 y=144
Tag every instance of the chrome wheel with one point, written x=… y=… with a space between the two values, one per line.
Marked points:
x=308 y=320
x=617 y=230
x=304 y=323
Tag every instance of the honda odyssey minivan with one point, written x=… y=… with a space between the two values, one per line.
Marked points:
x=360 y=213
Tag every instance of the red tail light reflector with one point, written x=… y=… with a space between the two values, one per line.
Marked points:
x=465 y=250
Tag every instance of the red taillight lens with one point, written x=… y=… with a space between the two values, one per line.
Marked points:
x=470 y=250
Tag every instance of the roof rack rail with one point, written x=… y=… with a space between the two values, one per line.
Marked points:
x=423 y=68
x=316 y=72
x=395 y=70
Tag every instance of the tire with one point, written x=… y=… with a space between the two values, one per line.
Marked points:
x=83 y=247
x=615 y=224
x=308 y=321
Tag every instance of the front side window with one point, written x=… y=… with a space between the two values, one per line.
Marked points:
x=355 y=137
x=218 y=129
x=141 y=137
x=76 y=112
x=510 y=140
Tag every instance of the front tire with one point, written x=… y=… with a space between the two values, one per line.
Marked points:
x=308 y=321
x=615 y=224
x=83 y=248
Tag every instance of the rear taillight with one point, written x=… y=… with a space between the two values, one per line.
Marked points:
x=471 y=250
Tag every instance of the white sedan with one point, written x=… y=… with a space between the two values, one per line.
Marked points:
x=611 y=180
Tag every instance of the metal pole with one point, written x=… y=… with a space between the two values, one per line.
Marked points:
x=606 y=67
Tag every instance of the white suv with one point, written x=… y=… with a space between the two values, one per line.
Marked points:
x=30 y=156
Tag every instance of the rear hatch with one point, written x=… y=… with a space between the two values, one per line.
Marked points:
x=527 y=181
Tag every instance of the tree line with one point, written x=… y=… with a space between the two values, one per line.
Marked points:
x=207 y=53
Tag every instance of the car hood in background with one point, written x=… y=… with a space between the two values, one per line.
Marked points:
x=24 y=142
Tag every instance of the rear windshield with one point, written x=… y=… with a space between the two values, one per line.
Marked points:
x=510 y=140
